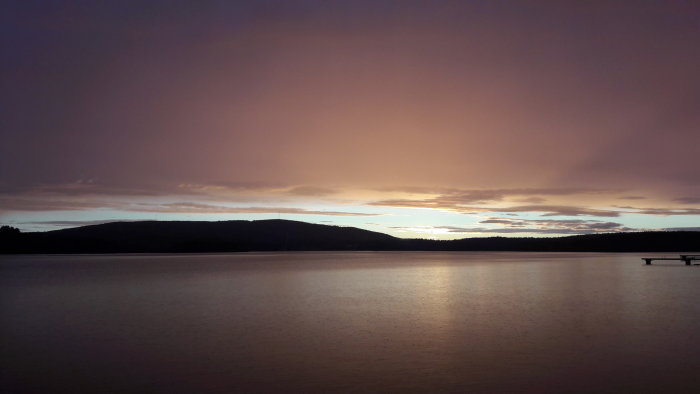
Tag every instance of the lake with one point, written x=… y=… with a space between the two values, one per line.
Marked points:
x=348 y=322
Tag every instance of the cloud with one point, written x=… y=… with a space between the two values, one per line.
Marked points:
x=467 y=201
x=502 y=119
x=525 y=226
x=34 y=205
x=558 y=210
x=228 y=187
x=74 y=223
x=517 y=230
x=688 y=200
x=474 y=201
x=482 y=230
x=532 y=200
x=310 y=191
x=545 y=210
x=93 y=186
x=189 y=207
x=661 y=211
x=498 y=221
x=82 y=187
x=668 y=211
x=542 y=226
x=553 y=223
x=448 y=197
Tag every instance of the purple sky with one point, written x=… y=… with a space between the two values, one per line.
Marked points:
x=417 y=118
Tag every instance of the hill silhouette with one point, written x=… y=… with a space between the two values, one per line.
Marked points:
x=282 y=235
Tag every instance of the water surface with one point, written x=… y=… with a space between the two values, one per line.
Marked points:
x=350 y=322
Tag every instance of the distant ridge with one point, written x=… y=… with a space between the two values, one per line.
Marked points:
x=288 y=235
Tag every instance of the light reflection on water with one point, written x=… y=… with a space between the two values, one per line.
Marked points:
x=318 y=322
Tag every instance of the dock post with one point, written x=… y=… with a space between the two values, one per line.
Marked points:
x=648 y=261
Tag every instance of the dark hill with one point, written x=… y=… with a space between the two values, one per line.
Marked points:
x=190 y=236
x=649 y=241
x=279 y=235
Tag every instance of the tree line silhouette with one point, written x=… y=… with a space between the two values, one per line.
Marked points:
x=287 y=235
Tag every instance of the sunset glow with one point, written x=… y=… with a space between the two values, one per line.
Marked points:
x=416 y=119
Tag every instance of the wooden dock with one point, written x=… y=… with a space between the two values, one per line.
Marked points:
x=687 y=258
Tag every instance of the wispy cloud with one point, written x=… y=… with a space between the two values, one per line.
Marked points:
x=483 y=230
x=470 y=201
x=452 y=198
x=496 y=200
x=81 y=187
x=557 y=210
x=36 y=205
x=571 y=224
x=189 y=207
x=688 y=200
x=73 y=223
x=661 y=211
x=497 y=225
x=542 y=226
x=310 y=191
x=227 y=187
x=545 y=210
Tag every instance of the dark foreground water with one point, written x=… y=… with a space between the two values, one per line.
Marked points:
x=349 y=322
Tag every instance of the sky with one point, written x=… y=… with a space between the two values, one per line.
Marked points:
x=430 y=119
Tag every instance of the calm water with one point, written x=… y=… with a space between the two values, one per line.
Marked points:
x=350 y=322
